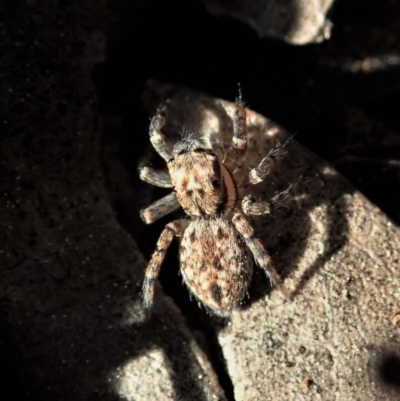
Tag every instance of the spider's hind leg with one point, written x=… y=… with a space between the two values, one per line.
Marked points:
x=260 y=255
x=153 y=268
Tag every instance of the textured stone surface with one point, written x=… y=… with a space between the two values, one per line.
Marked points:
x=72 y=326
x=294 y=21
x=71 y=322
x=339 y=256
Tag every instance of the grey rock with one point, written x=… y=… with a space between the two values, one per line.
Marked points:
x=72 y=325
x=339 y=256
x=294 y=21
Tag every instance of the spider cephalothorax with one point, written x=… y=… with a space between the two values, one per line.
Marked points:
x=203 y=186
x=218 y=242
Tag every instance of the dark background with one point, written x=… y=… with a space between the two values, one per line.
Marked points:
x=347 y=116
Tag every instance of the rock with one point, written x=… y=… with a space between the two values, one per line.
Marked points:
x=72 y=325
x=339 y=257
x=297 y=22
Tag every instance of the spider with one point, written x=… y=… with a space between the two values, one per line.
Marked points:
x=217 y=241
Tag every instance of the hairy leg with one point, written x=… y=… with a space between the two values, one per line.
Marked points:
x=153 y=268
x=160 y=208
x=260 y=254
x=239 y=139
x=158 y=178
x=259 y=173
x=160 y=143
x=251 y=206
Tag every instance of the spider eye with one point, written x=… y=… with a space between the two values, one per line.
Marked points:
x=215 y=183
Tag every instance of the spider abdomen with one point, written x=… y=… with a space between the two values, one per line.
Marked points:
x=215 y=264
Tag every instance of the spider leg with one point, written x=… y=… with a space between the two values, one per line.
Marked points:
x=160 y=143
x=158 y=178
x=239 y=139
x=160 y=208
x=257 y=175
x=253 y=207
x=153 y=268
x=260 y=254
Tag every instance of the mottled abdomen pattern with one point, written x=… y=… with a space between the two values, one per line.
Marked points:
x=215 y=264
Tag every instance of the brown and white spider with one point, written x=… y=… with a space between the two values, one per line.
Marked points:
x=215 y=262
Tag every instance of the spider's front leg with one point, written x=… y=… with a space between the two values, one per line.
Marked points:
x=158 y=178
x=153 y=269
x=258 y=174
x=253 y=207
x=239 y=139
x=261 y=256
x=157 y=138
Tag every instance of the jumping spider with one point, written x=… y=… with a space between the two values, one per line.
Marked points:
x=215 y=262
